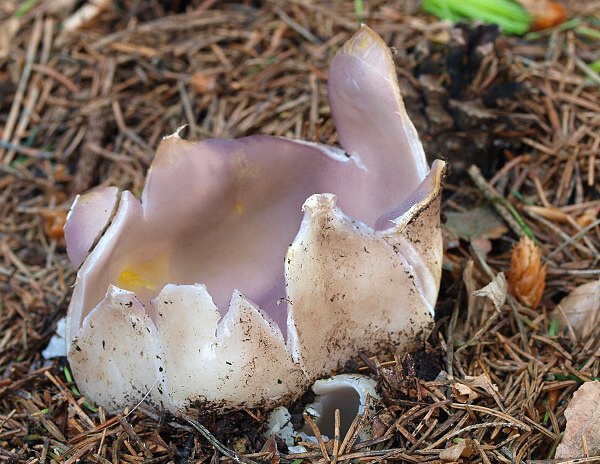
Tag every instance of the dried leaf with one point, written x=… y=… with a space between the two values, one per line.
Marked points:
x=483 y=382
x=588 y=217
x=463 y=449
x=463 y=393
x=474 y=304
x=582 y=308
x=454 y=452
x=583 y=417
x=527 y=275
x=203 y=83
x=477 y=225
x=494 y=295
x=464 y=390
x=496 y=291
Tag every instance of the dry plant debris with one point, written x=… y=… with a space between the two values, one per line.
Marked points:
x=87 y=107
x=527 y=274
x=580 y=309
x=582 y=434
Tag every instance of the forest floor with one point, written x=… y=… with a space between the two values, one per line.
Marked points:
x=518 y=118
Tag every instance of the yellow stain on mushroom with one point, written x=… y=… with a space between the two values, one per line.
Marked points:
x=238 y=207
x=244 y=171
x=146 y=275
x=359 y=44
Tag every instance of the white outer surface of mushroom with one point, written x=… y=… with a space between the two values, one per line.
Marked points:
x=211 y=358
x=116 y=353
x=200 y=316
x=328 y=324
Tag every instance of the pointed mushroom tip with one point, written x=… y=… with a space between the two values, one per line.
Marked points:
x=236 y=297
x=441 y=170
x=114 y=291
x=319 y=203
x=171 y=148
x=166 y=144
x=362 y=40
x=424 y=195
x=170 y=287
x=176 y=134
x=241 y=303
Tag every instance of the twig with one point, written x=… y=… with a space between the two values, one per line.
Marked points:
x=134 y=436
x=297 y=27
x=11 y=121
x=216 y=443
x=318 y=436
x=498 y=202
x=574 y=238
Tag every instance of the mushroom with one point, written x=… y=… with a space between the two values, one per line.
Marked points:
x=250 y=267
x=351 y=394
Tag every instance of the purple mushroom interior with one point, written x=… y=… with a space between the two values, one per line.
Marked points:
x=223 y=213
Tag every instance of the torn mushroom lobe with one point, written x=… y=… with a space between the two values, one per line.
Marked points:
x=87 y=219
x=235 y=315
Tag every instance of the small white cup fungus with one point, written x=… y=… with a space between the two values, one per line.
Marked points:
x=346 y=392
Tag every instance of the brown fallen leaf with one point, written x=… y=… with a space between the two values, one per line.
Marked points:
x=463 y=393
x=453 y=453
x=588 y=217
x=496 y=291
x=483 y=299
x=582 y=308
x=203 y=83
x=478 y=226
x=463 y=449
x=464 y=389
x=583 y=419
x=483 y=382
